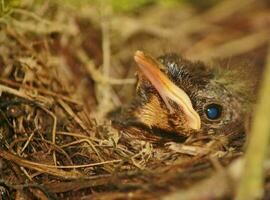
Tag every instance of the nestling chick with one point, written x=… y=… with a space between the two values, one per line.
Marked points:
x=177 y=97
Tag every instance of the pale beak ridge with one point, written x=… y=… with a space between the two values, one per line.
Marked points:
x=167 y=89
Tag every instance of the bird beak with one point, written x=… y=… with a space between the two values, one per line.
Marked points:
x=167 y=89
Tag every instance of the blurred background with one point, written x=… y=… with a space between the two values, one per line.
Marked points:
x=94 y=41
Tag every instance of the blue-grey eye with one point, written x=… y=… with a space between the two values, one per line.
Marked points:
x=213 y=111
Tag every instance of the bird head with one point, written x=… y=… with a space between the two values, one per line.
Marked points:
x=178 y=96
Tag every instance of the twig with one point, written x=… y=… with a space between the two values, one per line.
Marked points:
x=104 y=94
x=233 y=48
x=31 y=98
x=54 y=118
x=42 y=188
x=53 y=169
x=105 y=26
x=33 y=16
x=82 y=141
x=27 y=143
x=251 y=184
x=9 y=90
x=48 y=169
x=54 y=146
x=97 y=76
x=78 y=135
x=69 y=111
x=39 y=90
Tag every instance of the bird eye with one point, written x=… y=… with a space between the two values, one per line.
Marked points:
x=213 y=111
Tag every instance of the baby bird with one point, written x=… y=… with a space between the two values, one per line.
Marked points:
x=176 y=98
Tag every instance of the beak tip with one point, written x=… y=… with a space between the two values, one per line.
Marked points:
x=197 y=126
x=138 y=55
x=195 y=121
x=139 y=52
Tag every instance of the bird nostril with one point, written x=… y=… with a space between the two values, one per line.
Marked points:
x=213 y=111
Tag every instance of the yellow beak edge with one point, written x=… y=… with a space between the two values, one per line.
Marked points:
x=167 y=89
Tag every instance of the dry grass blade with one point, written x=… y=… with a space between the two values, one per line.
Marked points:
x=49 y=169
x=233 y=48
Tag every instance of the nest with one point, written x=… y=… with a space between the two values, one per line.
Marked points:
x=55 y=141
